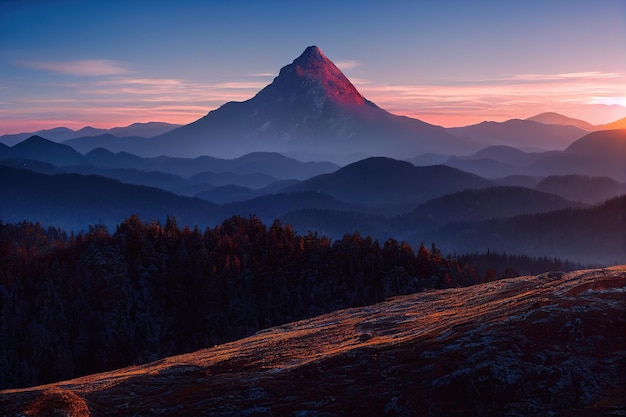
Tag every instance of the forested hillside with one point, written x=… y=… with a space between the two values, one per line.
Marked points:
x=75 y=305
x=589 y=235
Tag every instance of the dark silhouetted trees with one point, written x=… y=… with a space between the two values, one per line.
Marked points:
x=82 y=304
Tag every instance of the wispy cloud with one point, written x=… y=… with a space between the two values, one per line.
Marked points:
x=609 y=101
x=118 y=99
x=236 y=85
x=112 y=95
x=564 y=76
x=500 y=98
x=346 y=65
x=168 y=82
x=84 y=67
x=263 y=74
x=169 y=90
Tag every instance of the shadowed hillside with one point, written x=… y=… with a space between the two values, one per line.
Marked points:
x=74 y=202
x=543 y=345
x=386 y=181
x=582 y=187
x=590 y=235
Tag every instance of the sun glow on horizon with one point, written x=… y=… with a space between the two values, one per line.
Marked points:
x=610 y=101
x=104 y=96
x=590 y=96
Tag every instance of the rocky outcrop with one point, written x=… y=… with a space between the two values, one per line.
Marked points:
x=546 y=345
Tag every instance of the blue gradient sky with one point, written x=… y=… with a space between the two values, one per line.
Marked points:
x=111 y=63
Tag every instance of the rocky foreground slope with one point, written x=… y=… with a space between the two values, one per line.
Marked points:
x=549 y=345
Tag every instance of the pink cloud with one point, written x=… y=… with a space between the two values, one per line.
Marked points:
x=564 y=76
x=500 y=99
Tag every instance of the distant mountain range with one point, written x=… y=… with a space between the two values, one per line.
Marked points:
x=601 y=153
x=381 y=197
x=60 y=134
x=551 y=118
x=378 y=196
x=425 y=221
x=268 y=163
x=593 y=235
x=523 y=134
x=546 y=131
x=180 y=175
x=74 y=202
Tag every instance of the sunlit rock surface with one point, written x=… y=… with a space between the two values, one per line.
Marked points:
x=550 y=345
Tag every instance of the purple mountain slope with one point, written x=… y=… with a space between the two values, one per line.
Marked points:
x=310 y=108
x=552 y=118
x=522 y=134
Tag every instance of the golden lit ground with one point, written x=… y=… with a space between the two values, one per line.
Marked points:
x=555 y=343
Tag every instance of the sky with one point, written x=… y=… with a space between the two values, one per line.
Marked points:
x=451 y=63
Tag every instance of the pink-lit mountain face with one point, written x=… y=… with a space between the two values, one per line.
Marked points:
x=309 y=108
x=314 y=76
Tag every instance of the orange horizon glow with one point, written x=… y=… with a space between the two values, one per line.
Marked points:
x=446 y=121
x=121 y=101
x=596 y=115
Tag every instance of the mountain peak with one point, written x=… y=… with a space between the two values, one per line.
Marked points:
x=313 y=53
x=313 y=73
x=41 y=149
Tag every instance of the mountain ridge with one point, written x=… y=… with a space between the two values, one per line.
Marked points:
x=523 y=134
x=43 y=150
x=553 y=118
x=75 y=202
x=599 y=153
x=61 y=134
